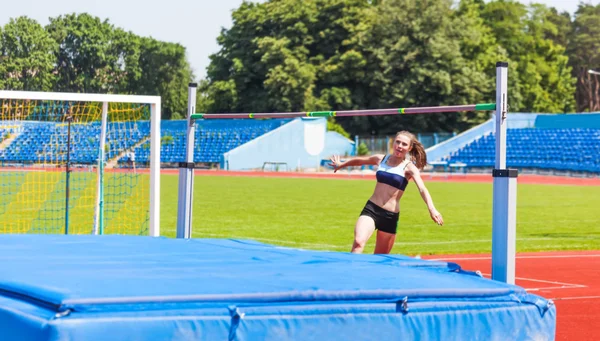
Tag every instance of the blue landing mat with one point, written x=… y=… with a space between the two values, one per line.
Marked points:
x=55 y=287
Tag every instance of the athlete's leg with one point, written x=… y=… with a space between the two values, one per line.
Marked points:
x=362 y=232
x=385 y=242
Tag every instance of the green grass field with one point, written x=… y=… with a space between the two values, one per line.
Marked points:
x=320 y=214
x=34 y=202
x=310 y=213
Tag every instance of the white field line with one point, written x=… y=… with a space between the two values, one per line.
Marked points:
x=562 y=284
x=517 y=257
x=550 y=288
x=476 y=241
x=576 y=298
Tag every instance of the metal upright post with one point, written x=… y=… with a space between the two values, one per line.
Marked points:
x=99 y=215
x=504 y=215
x=186 y=173
x=68 y=173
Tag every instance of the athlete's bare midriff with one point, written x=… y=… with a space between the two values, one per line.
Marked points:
x=387 y=197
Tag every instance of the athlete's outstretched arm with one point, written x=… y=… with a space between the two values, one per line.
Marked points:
x=355 y=161
x=416 y=175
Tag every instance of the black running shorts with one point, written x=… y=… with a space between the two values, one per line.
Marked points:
x=385 y=220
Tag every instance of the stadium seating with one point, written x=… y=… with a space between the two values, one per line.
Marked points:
x=557 y=149
x=46 y=141
x=212 y=138
x=575 y=149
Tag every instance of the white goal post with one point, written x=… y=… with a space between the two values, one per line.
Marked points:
x=89 y=136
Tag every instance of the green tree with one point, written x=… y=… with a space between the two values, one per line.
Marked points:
x=540 y=71
x=348 y=54
x=416 y=57
x=284 y=55
x=2 y=59
x=87 y=57
x=362 y=149
x=584 y=52
x=480 y=47
x=94 y=56
x=162 y=69
x=332 y=125
x=561 y=26
x=289 y=55
x=26 y=56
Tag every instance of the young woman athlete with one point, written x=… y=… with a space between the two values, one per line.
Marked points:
x=382 y=210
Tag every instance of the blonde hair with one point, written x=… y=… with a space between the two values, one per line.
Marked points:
x=417 y=151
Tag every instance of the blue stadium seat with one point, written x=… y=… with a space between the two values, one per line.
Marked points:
x=212 y=138
x=39 y=141
x=47 y=141
x=575 y=149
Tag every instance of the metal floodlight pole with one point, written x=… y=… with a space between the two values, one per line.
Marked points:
x=186 y=173
x=504 y=215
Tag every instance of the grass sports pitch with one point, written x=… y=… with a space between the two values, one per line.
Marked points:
x=320 y=214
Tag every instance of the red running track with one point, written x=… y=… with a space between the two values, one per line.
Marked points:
x=571 y=279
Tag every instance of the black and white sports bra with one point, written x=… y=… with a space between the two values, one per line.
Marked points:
x=393 y=176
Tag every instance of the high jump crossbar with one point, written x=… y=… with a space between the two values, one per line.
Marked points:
x=346 y=113
x=504 y=180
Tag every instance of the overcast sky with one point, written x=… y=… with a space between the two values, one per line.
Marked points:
x=193 y=23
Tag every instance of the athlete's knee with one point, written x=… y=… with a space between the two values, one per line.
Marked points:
x=359 y=243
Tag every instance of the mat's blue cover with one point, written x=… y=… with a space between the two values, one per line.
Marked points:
x=55 y=287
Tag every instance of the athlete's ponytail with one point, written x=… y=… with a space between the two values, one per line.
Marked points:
x=417 y=151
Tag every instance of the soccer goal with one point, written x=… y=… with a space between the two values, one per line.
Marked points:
x=79 y=163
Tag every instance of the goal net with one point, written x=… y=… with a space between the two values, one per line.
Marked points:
x=79 y=163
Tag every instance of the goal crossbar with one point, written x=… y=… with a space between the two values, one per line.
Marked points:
x=79 y=97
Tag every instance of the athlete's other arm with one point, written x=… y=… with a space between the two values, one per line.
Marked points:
x=355 y=161
x=416 y=175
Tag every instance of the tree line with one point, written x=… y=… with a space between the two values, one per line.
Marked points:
x=288 y=55
x=82 y=53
